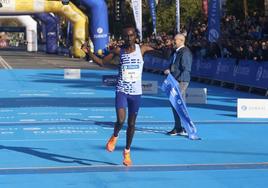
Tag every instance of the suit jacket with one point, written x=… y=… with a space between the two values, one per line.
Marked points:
x=180 y=68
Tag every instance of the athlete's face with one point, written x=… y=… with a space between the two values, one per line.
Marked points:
x=129 y=36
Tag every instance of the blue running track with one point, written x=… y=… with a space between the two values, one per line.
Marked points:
x=53 y=133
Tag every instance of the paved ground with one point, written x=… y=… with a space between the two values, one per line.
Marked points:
x=40 y=60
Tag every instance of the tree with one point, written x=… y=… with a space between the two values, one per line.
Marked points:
x=166 y=13
x=237 y=7
x=166 y=17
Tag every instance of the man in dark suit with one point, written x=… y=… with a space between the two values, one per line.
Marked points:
x=180 y=68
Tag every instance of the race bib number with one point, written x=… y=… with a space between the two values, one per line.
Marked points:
x=131 y=73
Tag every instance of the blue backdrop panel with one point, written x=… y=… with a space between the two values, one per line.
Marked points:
x=204 y=68
x=248 y=73
x=244 y=73
x=261 y=78
x=154 y=62
x=224 y=70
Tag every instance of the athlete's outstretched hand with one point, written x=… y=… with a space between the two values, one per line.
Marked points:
x=167 y=71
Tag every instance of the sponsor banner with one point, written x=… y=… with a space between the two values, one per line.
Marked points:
x=137 y=11
x=8 y=6
x=195 y=67
x=261 y=77
x=153 y=62
x=72 y=74
x=204 y=68
x=214 y=21
x=196 y=96
x=243 y=72
x=153 y=13
x=170 y=87
x=224 y=70
x=252 y=108
x=248 y=73
x=149 y=87
x=39 y=5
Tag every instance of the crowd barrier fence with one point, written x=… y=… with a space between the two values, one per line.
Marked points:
x=248 y=73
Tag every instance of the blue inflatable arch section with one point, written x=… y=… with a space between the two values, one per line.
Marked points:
x=99 y=28
x=50 y=31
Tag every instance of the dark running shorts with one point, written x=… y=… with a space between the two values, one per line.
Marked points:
x=123 y=100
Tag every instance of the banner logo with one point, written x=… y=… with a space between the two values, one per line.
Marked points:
x=252 y=108
x=99 y=30
x=235 y=71
x=259 y=73
x=149 y=87
x=213 y=35
x=109 y=80
x=179 y=101
x=244 y=108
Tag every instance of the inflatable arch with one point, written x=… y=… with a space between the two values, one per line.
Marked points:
x=51 y=32
x=31 y=30
x=70 y=11
x=99 y=27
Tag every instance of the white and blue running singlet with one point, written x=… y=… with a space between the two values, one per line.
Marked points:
x=130 y=73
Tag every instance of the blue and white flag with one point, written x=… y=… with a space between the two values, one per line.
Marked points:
x=153 y=13
x=170 y=86
x=214 y=20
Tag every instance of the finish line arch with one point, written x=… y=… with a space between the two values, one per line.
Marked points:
x=51 y=33
x=31 y=30
x=70 y=11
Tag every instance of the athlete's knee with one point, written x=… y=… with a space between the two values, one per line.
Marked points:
x=131 y=121
x=119 y=123
x=131 y=125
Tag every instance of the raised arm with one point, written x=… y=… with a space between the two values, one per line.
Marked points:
x=146 y=48
x=102 y=60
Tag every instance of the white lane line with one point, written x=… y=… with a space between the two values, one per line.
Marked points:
x=134 y=168
x=80 y=139
x=151 y=123
x=4 y=63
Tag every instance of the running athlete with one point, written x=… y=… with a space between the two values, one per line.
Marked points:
x=128 y=88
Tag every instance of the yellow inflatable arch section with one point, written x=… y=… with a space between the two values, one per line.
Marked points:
x=70 y=11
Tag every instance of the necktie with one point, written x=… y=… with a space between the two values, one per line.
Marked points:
x=174 y=57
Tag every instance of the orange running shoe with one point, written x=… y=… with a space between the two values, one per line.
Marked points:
x=127 y=160
x=111 y=143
